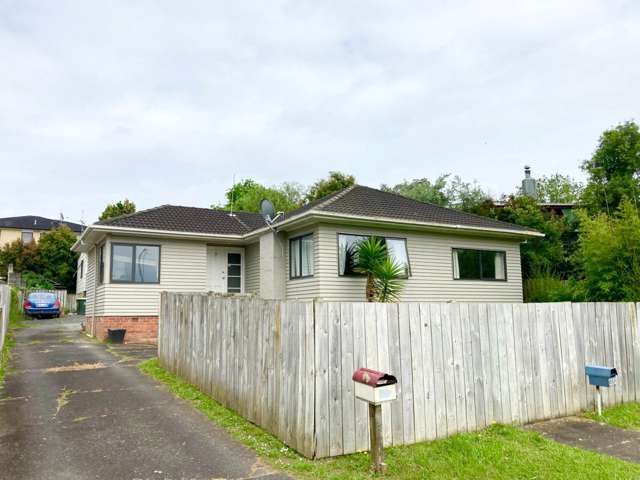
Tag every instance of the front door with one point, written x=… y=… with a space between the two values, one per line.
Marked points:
x=225 y=269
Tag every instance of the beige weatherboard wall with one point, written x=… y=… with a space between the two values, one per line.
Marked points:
x=9 y=235
x=430 y=259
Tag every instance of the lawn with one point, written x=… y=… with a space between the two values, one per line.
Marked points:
x=622 y=416
x=15 y=321
x=499 y=452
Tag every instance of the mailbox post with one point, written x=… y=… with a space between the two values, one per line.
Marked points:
x=600 y=377
x=375 y=388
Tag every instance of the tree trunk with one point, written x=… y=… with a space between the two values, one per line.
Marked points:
x=371 y=290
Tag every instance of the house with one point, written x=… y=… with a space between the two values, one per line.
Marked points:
x=448 y=255
x=29 y=228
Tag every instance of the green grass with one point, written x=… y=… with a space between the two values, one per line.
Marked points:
x=16 y=318
x=622 y=416
x=499 y=452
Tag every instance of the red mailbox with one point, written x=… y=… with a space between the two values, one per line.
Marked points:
x=374 y=387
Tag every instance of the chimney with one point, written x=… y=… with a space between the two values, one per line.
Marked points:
x=529 y=184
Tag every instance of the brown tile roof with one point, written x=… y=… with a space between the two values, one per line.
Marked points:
x=369 y=202
x=189 y=219
x=354 y=201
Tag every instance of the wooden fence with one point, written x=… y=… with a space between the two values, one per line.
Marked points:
x=5 y=305
x=287 y=366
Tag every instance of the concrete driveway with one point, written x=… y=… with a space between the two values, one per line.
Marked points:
x=71 y=409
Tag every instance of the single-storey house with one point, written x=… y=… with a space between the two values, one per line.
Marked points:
x=448 y=255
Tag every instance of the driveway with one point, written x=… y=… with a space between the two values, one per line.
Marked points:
x=73 y=409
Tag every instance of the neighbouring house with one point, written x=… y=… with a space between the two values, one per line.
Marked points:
x=448 y=255
x=28 y=228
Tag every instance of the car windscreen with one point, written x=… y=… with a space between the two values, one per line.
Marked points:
x=42 y=297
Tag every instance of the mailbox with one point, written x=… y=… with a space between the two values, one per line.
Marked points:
x=600 y=376
x=374 y=387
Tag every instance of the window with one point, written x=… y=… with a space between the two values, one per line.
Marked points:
x=81 y=268
x=348 y=252
x=135 y=263
x=234 y=273
x=301 y=257
x=27 y=237
x=479 y=265
x=101 y=264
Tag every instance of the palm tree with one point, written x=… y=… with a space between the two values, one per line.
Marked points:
x=371 y=253
x=389 y=280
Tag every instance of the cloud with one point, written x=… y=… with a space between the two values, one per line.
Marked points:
x=164 y=102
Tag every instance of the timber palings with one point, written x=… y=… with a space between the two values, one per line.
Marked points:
x=5 y=305
x=287 y=365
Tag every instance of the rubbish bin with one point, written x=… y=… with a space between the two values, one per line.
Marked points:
x=81 y=306
x=116 y=336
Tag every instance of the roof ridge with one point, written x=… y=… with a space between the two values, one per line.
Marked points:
x=235 y=215
x=336 y=196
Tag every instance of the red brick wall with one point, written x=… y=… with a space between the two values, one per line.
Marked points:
x=139 y=329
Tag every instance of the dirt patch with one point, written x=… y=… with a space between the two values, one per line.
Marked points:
x=76 y=367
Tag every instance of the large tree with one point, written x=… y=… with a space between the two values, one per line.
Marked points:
x=614 y=169
x=334 y=183
x=58 y=261
x=423 y=190
x=122 y=207
x=539 y=256
x=50 y=260
x=245 y=196
x=609 y=254
x=558 y=188
x=23 y=257
x=454 y=192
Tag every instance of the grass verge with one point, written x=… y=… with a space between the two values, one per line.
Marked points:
x=16 y=319
x=498 y=452
x=622 y=416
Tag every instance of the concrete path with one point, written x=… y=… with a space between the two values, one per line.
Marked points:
x=72 y=409
x=590 y=435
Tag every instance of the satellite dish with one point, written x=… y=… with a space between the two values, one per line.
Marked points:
x=267 y=210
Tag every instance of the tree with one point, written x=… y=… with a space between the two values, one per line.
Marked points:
x=468 y=197
x=334 y=183
x=371 y=252
x=614 y=169
x=58 y=261
x=609 y=253
x=122 y=207
x=423 y=190
x=454 y=193
x=558 y=188
x=538 y=255
x=245 y=196
x=389 y=280
x=385 y=278
x=23 y=257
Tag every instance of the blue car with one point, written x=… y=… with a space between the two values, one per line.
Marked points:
x=42 y=304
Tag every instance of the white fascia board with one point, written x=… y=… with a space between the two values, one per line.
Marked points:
x=144 y=232
x=384 y=221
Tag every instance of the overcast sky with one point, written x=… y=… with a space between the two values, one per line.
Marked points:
x=163 y=102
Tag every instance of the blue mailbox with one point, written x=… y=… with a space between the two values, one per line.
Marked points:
x=600 y=376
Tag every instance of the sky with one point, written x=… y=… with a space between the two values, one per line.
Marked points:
x=165 y=102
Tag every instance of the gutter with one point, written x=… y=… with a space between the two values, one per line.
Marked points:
x=163 y=233
x=309 y=215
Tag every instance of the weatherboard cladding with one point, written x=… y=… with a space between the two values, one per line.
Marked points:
x=354 y=201
x=33 y=222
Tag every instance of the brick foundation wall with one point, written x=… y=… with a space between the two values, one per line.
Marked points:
x=139 y=329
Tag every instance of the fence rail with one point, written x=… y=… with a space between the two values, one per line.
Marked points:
x=287 y=365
